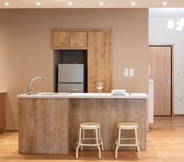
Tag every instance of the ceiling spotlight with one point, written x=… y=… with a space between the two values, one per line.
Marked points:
x=6 y=4
x=164 y=3
x=133 y=3
x=101 y=3
x=38 y=3
x=70 y=3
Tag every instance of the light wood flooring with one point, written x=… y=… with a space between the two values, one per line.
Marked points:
x=165 y=143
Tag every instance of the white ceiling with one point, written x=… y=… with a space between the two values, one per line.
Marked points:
x=165 y=13
x=90 y=3
x=156 y=8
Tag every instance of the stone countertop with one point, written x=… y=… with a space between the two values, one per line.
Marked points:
x=82 y=95
x=3 y=91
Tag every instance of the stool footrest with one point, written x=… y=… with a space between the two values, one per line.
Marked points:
x=89 y=139
x=82 y=144
x=127 y=139
x=128 y=144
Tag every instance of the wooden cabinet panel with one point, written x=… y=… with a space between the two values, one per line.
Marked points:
x=79 y=39
x=1 y=112
x=67 y=39
x=44 y=126
x=99 y=60
x=61 y=38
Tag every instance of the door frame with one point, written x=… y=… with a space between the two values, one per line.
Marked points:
x=172 y=71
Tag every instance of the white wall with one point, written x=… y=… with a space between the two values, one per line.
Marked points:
x=25 y=48
x=160 y=34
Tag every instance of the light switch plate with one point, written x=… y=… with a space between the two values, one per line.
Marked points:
x=125 y=72
x=131 y=72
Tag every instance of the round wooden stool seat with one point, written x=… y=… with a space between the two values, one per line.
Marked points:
x=127 y=125
x=89 y=125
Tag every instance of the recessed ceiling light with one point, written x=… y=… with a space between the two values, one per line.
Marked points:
x=164 y=3
x=38 y=3
x=133 y=3
x=101 y=3
x=70 y=3
x=6 y=4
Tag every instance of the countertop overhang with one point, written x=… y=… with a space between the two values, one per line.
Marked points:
x=3 y=91
x=82 y=95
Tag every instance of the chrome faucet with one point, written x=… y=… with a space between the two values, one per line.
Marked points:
x=29 y=89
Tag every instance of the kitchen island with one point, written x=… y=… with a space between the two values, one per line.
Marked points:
x=49 y=122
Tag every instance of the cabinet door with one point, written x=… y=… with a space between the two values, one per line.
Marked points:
x=61 y=38
x=78 y=39
x=99 y=60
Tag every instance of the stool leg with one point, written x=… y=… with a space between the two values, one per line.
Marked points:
x=100 y=138
x=116 y=152
x=135 y=134
x=82 y=139
x=118 y=143
x=99 y=150
x=77 y=152
x=139 y=155
x=78 y=143
x=136 y=141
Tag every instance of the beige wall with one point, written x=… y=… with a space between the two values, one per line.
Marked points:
x=25 y=48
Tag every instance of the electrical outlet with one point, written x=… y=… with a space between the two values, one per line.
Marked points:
x=131 y=72
x=125 y=72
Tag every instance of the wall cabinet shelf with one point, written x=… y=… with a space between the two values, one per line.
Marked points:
x=98 y=43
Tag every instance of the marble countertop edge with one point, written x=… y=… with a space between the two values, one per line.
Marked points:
x=3 y=91
x=83 y=95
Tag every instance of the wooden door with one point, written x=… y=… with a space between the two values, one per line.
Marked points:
x=61 y=38
x=99 y=60
x=160 y=72
x=78 y=38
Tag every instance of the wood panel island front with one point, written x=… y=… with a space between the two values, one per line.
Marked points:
x=49 y=122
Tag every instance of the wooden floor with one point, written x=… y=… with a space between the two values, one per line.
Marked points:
x=165 y=143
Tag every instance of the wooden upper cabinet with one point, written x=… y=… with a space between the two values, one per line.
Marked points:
x=99 y=60
x=61 y=38
x=67 y=39
x=79 y=39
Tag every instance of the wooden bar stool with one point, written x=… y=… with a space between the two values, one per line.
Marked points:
x=89 y=126
x=127 y=126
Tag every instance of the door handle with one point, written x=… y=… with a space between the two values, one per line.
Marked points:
x=168 y=79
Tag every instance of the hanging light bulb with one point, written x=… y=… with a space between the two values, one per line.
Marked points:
x=179 y=24
x=182 y=21
x=179 y=27
x=170 y=24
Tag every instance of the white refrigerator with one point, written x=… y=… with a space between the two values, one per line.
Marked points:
x=71 y=78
